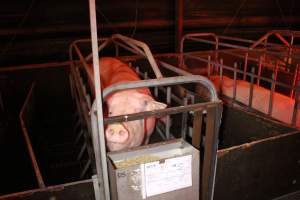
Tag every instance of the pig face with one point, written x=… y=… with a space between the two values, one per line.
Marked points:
x=132 y=133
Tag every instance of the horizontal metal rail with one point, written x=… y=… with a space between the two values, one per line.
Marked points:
x=164 y=82
x=217 y=44
x=160 y=113
x=279 y=34
x=242 y=72
x=129 y=44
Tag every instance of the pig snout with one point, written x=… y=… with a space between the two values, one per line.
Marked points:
x=116 y=133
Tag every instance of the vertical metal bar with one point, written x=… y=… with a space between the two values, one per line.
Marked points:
x=221 y=76
x=145 y=75
x=88 y=101
x=197 y=127
x=156 y=92
x=234 y=81
x=98 y=155
x=296 y=105
x=168 y=116
x=137 y=69
x=273 y=85
x=217 y=49
x=245 y=66
x=295 y=79
x=259 y=71
x=96 y=188
x=210 y=152
x=251 y=87
x=93 y=24
x=179 y=23
x=276 y=70
x=208 y=66
x=184 y=120
x=289 y=62
x=117 y=49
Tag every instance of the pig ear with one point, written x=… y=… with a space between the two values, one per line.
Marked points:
x=154 y=105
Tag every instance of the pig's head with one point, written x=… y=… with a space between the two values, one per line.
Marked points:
x=132 y=133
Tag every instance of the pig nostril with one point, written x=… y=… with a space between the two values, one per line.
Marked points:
x=110 y=131
x=122 y=133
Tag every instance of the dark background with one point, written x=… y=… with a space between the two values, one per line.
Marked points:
x=37 y=31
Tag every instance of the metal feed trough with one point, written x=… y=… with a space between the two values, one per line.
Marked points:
x=258 y=157
x=207 y=115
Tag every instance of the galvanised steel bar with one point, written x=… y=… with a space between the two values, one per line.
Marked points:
x=160 y=113
x=238 y=71
x=296 y=105
x=184 y=120
x=245 y=65
x=259 y=70
x=197 y=128
x=295 y=79
x=213 y=122
x=81 y=58
x=105 y=43
x=208 y=66
x=273 y=86
x=234 y=81
x=100 y=124
x=193 y=37
x=27 y=138
x=98 y=153
x=164 y=82
x=251 y=87
x=220 y=76
x=168 y=122
x=144 y=47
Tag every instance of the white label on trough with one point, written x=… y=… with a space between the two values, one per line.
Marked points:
x=173 y=174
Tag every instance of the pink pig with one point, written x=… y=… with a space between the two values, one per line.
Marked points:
x=283 y=106
x=132 y=133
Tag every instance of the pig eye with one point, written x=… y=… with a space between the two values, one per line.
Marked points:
x=110 y=113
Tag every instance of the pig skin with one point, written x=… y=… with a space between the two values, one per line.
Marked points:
x=283 y=106
x=113 y=71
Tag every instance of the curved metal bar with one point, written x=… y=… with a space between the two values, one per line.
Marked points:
x=106 y=42
x=278 y=34
x=136 y=45
x=193 y=35
x=164 y=82
x=132 y=45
